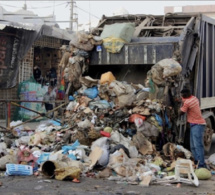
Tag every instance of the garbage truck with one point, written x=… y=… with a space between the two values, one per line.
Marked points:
x=189 y=38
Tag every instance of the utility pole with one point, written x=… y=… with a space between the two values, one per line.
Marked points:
x=25 y=6
x=71 y=15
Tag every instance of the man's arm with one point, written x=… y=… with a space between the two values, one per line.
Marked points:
x=180 y=113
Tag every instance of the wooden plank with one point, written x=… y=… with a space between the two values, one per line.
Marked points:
x=139 y=28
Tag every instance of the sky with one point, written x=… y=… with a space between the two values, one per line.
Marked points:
x=93 y=10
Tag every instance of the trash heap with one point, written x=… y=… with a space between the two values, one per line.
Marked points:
x=111 y=129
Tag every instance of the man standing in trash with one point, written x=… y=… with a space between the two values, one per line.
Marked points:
x=197 y=125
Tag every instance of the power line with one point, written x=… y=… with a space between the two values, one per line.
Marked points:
x=43 y=7
x=10 y=5
x=87 y=12
x=47 y=6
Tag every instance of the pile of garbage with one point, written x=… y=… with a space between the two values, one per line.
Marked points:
x=111 y=129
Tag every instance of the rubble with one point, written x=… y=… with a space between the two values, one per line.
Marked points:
x=108 y=125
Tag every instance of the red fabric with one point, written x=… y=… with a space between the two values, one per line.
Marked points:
x=191 y=107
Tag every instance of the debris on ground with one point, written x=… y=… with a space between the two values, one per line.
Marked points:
x=110 y=129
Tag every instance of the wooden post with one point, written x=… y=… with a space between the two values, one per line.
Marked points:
x=8 y=114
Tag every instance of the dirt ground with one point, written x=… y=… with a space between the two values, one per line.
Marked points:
x=19 y=185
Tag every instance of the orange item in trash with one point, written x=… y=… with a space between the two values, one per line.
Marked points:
x=134 y=116
x=105 y=134
x=107 y=77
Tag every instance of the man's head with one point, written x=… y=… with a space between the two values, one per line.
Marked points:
x=185 y=93
x=50 y=88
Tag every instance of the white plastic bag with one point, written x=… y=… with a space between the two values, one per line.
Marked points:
x=211 y=159
x=170 y=66
x=138 y=122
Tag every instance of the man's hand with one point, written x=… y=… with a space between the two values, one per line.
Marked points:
x=180 y=113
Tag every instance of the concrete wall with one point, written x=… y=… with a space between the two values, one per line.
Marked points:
x=190 y=9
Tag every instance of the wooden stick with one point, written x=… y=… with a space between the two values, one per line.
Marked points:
x=38 y=116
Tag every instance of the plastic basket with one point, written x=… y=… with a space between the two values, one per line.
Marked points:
x=14 y=169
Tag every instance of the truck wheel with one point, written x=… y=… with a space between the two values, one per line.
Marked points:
x=208 y=135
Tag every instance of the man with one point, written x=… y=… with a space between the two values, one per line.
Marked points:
x=197 y=125
x=53 y=76
x=37 y=74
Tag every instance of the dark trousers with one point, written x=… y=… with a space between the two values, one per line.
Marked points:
x=48 y=108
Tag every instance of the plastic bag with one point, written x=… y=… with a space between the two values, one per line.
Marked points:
x=211 y=159
x=138 y=122
x=135 y=116
x=80 y=41
x=85 y=124
x=43 y=157
x=170 y=66
x=104 y=159
x=91 y=92
x=203 y=174
x=15 y=169
x=122 y=31
x=187 y=153
x=102 y=142
x=113 y=44
x=99 y=104
x=72 y=147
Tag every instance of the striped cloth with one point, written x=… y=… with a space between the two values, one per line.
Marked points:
x=191 y=106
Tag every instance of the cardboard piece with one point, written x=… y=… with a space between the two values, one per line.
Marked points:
x=146 y=180
x=95 y=155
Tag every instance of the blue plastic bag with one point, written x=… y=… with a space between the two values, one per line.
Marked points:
x=72 y=147
x=99 y=104
x=71 y=98
x=72 y=156
x=43 y=157
x=16 y=169
x=159 y=119
x=91 y=92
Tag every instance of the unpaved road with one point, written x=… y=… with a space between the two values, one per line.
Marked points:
x=30 y=185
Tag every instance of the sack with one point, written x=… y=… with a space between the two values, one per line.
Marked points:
x=170 y=66
x=122 y=31
x=80 y=41
x=113 y=45
x=203 y=174
x=157 y=74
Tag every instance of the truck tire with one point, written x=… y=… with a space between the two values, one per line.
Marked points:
x=208 y=135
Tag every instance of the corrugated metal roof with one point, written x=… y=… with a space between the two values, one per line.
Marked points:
x=4 y=24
